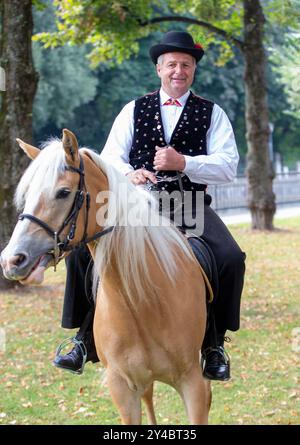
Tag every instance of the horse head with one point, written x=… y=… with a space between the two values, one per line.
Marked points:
x=53 y=199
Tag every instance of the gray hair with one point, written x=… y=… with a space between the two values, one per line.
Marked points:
x=160 y=59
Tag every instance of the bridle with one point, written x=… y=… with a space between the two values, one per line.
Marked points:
x=60 y=247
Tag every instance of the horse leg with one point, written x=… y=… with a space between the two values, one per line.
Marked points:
x=127 y=401
x=148 y=400
x=196 y=394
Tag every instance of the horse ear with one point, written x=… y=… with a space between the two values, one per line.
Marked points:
x=70 y=146
x=31 y=151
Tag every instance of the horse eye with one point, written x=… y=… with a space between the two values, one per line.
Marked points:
x=62 y=194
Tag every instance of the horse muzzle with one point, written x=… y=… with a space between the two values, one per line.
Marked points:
x=21 y=267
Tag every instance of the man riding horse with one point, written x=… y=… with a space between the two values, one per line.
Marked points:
x=189 y=141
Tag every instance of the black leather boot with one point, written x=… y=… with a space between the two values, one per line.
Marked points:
x=215 y=361
x=83 y=351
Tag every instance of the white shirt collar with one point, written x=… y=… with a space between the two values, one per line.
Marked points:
x=164 y=97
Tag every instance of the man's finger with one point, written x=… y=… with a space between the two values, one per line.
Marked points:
x=142 y=179
x=159 y=166
x=157 y=162
x=160 y=154
x=150 y=176
x=139 y=180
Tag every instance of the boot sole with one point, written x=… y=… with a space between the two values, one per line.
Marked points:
x=225 y=379
x=80 y=371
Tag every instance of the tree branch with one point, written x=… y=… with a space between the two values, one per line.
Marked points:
x=238 y=43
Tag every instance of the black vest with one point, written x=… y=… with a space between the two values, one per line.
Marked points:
x=188 y=138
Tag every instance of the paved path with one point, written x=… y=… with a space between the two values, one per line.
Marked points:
x=234 y=217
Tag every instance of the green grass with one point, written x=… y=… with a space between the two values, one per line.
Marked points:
x=265 y=384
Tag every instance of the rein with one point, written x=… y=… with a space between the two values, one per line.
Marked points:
x=64 y=246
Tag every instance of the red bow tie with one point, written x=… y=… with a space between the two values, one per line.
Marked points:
x=173 y=102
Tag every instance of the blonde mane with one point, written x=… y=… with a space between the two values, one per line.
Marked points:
x=130 y=243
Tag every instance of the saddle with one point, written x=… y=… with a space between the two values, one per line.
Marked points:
x=206 y=259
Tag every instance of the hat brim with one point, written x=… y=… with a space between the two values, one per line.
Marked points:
x=158 y=50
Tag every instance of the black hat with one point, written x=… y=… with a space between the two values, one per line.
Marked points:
x=177 y=41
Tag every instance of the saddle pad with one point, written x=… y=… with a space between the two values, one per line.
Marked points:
x=207 y=261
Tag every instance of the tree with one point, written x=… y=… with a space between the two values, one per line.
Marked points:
x=16 y=104
x=113 y=30
x=261 y=199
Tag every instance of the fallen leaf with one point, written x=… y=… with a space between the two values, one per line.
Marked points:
x=82 y=409
x=89 y=414
x=27 y=405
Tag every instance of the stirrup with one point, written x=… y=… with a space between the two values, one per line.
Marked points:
x=82 y=348
x=220 y=350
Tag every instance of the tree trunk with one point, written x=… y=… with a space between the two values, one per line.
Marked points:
x=16 y=105
x=259 y=171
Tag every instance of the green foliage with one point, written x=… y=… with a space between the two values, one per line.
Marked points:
x=287 y=66
x=116 y=86
x=111 y=28
x=65 y=83
x=40 y=5
x=114 y=29
x=282 y=12
x=206 y=10
x=65 y=80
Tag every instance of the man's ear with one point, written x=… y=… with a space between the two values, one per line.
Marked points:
x=70 y=145
x=31 y=151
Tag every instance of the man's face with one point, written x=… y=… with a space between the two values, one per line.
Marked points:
x=176 y=72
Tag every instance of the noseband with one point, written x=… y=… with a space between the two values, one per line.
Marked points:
x=64 y=246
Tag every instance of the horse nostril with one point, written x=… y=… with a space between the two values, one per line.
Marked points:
x=18 y=259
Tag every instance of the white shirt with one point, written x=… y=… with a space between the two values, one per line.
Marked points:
x=218 y=166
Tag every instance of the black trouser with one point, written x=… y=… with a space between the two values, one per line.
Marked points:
x=231 y=269
x=230 y=263
x=78 y=299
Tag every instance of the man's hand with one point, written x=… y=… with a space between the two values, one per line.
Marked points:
x=141 y=176
x=167 y=158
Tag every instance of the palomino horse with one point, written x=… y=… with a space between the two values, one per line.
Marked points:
x=150 y=304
